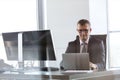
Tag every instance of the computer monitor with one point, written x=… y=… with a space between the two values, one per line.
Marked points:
x=37 y=45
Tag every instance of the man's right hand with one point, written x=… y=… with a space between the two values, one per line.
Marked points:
x=93 y=66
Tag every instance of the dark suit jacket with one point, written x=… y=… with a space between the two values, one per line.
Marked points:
x=95 y=49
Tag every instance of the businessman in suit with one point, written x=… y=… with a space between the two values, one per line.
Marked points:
x=92 y=45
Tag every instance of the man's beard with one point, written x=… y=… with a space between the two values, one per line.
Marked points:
x=84 y=38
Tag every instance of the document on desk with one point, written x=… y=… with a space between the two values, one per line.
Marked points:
x=77 y=71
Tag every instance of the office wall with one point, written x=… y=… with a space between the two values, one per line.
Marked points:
x=98 y=16
x=62 y=16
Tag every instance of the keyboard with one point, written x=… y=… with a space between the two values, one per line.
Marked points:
x=49 y=69
x=76 y=71
x=34 y=69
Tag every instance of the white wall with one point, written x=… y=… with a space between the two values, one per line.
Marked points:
x=98 y=16
x=62 y=16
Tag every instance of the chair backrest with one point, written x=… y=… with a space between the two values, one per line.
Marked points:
x=102 y=37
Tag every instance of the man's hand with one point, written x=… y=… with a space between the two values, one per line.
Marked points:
x=93 y=66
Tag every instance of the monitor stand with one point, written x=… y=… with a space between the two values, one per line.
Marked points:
x=20 y=52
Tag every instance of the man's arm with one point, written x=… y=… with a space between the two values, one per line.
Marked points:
x=100 y=57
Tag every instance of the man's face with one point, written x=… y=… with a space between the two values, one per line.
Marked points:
x=84 y=31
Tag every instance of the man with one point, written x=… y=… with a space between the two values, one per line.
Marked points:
x=93 y=46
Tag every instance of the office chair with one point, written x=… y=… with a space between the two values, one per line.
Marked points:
x=102 y=37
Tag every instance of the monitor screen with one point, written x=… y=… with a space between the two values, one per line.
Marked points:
x=37 y=45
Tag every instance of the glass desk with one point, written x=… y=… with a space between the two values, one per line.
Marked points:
x=57 y=75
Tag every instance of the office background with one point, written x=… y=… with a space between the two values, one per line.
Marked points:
x=66 y=13
x=61 y=16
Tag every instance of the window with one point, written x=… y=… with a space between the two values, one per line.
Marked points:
x=17 y=15
x=114 y=33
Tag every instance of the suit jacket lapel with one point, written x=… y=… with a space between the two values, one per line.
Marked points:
x=90 y=44
x=77 y=45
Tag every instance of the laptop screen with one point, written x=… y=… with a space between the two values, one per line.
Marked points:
x=76 y=61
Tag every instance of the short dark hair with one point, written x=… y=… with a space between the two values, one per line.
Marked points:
x=83 y=22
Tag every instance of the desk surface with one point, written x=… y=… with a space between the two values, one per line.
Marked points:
x=101 y=75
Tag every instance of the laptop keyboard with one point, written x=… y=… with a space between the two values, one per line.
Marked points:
x=77 y=71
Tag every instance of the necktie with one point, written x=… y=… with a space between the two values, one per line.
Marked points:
x=84 y=49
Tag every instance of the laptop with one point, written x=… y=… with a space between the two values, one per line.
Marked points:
x=76 y=62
